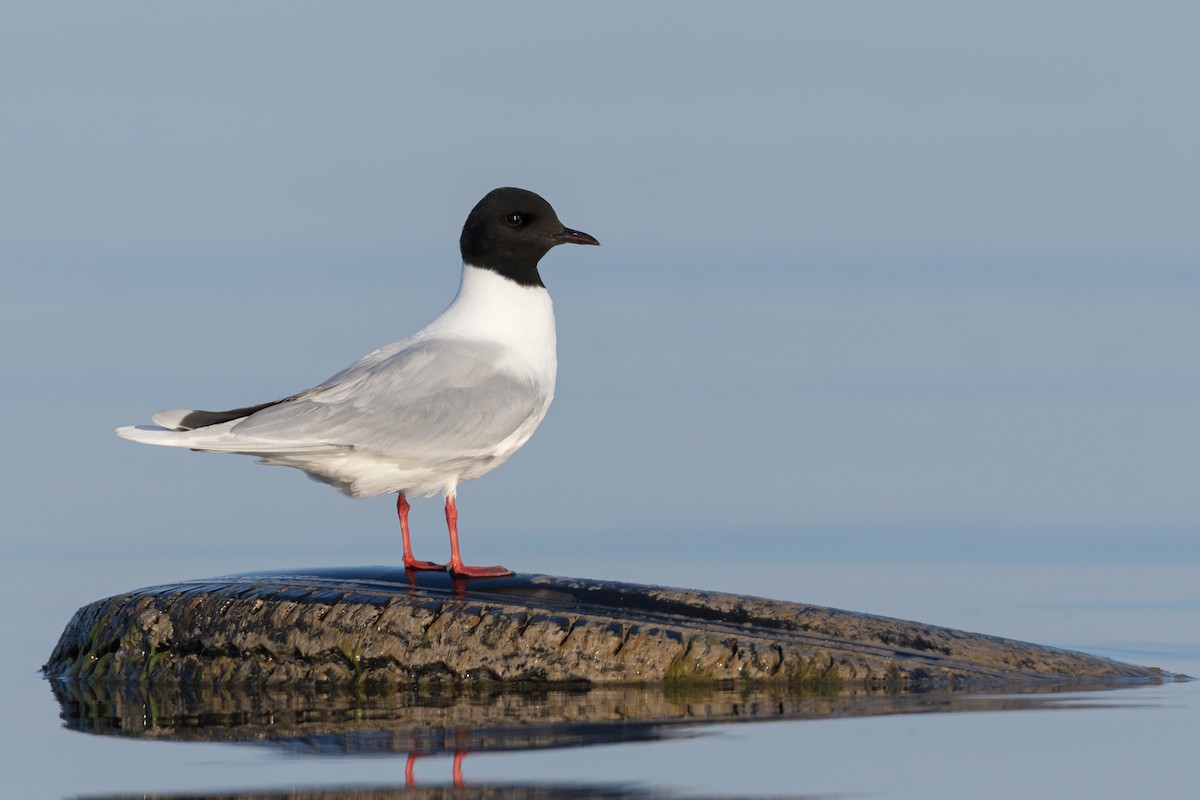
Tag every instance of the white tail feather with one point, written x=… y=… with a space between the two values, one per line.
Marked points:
x=217 y=438
x=147 y=434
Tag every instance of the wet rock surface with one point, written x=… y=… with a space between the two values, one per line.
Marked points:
x=385 y=626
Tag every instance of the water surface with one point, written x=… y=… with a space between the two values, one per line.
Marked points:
x=64 y=741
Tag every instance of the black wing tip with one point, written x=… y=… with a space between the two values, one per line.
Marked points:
x=205 y=419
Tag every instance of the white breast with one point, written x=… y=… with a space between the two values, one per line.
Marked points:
x=496 y=309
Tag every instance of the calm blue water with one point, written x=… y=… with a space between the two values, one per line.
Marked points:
x=1132 y=742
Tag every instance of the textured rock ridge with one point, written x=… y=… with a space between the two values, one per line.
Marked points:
x=379 y=625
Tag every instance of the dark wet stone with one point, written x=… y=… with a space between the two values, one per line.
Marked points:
x=383 y=626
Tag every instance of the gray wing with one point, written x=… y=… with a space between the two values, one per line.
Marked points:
x=429 y=401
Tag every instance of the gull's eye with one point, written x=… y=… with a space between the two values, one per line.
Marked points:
x=514 y=220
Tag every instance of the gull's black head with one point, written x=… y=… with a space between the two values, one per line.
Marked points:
x=509 y=231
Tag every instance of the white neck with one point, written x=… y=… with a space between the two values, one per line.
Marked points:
x=491 y=307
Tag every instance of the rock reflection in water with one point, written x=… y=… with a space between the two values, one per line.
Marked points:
x=337 y=721
x=540 y=792
x=340 y=722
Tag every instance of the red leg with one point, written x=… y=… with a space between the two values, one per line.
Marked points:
x=410 y=562
x=457 y=568
x=456 y=770
x=409 y=780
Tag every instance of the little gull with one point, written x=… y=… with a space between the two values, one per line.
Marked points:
x=420 y=416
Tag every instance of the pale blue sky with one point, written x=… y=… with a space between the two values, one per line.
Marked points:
x=876 y=267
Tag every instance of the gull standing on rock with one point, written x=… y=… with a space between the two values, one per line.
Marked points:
x=420 y=416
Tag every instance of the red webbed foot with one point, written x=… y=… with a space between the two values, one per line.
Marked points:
x=463 y=571
x=457 y=568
